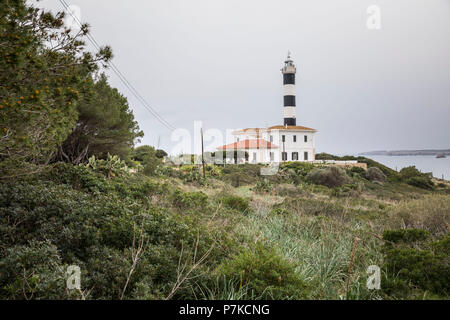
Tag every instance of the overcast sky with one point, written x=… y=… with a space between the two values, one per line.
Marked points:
x=219 y=61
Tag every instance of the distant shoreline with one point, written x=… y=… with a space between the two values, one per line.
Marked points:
x=433 y=152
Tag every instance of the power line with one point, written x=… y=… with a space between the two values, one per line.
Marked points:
x=120 y=75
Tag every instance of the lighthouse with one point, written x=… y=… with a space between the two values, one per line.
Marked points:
x=289 y=70
x=278 y=143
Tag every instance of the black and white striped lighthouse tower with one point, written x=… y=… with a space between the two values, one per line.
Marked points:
x=289 y=70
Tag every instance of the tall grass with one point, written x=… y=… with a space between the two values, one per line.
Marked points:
x=320 y=247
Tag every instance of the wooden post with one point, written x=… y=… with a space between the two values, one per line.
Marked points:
x=203 y=156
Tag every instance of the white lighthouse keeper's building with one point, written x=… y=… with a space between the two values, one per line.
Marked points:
x=287 y=142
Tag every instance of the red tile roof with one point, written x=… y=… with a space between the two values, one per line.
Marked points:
x=249 y=144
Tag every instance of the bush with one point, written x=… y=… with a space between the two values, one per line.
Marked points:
x=266 y=273
x=421 y=182
x=300 y=168
x=330 y=177
x=422 y=267
x=32 y=271
x=96 y=231
x=375 y=174
x=263 y=186
x=185 y=200
x=358 y=170
x=235 y=203
x=405 y=236
x=410 y=172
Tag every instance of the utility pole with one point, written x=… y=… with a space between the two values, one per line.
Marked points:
x=203 y=155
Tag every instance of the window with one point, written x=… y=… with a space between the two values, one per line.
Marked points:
x=254 y=157
x=294 y=156
x=306 y=139
x=271 y=139
x=283 y=138
x=284 y=156
x=295 y=138
x=272 y=156
x=237 y=139
x=306 y=156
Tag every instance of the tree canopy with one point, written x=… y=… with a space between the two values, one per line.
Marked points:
x=105 y=125
x=54 y=103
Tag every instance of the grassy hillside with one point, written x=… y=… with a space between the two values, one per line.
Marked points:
x=233 y=235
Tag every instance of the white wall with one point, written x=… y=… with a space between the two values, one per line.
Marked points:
x=289 y=146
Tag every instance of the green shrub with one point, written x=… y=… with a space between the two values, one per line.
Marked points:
x=358 y=170
x=266 y=273
x=406 y=235
x=330 y=177
x=96 y=231
x=421 y=182
x=416 y=262
x=185 y=200
x=263 y=186
x=33 y=271
x=375 y=174
x=235 y=203
x=410 y=172
x=300 y=168
x=241 y=175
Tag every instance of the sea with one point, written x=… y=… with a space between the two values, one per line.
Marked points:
x=440 y=168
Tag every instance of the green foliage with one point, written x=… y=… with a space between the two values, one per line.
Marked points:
x=187 y=200
x=300 y=168
x=161 y=154
x=391 y=174
x=412 y=176
x=223 y=289
x=241 y=175
x=405 y=235
x=148 y=157
x=40 y=83
x=410 y=172
x=375 y=174
x=330 y=177
x=95 y=223
x=33 y=271
x=110 y=167
x=416 y=263
x=263 y=186
x=421 y=182
x=266 y=273
x=191 y=174
x=235 y=203
x=105 y=125
x=358 y=170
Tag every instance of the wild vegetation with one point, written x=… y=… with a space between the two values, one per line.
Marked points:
x=75 y=191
